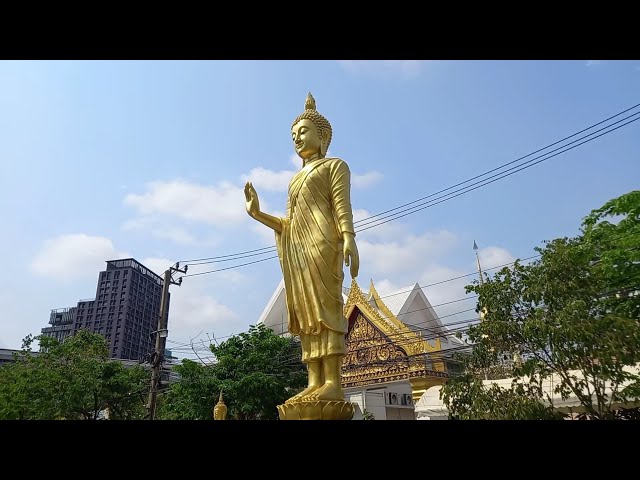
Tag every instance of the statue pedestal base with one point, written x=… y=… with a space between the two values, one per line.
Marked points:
x=316 y=410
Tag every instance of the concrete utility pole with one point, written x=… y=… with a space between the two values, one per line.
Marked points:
x=161 y=338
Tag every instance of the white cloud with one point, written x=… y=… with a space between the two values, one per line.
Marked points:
x=296 y=161
x=233 y=277
x=366 y=179
x=157 y=265
x=140 y=223
x=72 y=256
x=494 y=256
x=264 y=234
x=162 y=229
x=176 y=235
x=268 y=179
x=360 y=214
x=220 y=205
x=402 y=68
x=406 y=260
x=225 y=277
x=385 y=286
x=192 y=310
x=398 y=261
x=592 y=63
x=409 y=253
x=376 y=231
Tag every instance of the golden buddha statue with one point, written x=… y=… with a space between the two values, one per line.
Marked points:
x=313 y=240
x=220 y=410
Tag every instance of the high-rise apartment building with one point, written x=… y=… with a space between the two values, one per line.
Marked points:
x=125 y=310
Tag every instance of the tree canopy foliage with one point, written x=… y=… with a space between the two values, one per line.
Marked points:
x=573 y=314
x=256 y=371
x=71 y=380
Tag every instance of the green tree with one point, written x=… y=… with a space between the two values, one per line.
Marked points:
x=256 y=371
x=574 y=313
x=193 y=397
x=70 y=380
x=468 y=399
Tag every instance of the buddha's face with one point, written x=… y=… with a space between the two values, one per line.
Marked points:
x=306 y=139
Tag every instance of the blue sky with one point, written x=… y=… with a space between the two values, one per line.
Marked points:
x=147 y=159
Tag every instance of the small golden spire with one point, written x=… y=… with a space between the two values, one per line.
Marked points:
x=220 y=410
x=310 y=103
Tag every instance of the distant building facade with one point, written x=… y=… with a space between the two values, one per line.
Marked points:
x=61 y=321
x=7 y=355
x=125 y=310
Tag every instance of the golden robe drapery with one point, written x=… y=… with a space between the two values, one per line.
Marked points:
x=310 y=248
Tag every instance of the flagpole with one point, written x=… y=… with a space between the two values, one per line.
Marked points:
x=475 y=247
x=483 y=312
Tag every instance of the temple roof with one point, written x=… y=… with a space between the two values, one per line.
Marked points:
x=404 y=309
x=278 y=292
x=396 y=300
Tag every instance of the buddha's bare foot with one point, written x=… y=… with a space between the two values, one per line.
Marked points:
x=326 y=392
x=296 y=398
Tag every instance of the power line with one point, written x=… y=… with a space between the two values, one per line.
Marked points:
x=508 y=163
x=366 y=220
x=229 y=268
x=432 y=306
x=441 y=331
x=469 y=188
x=226 y=256
x=188 y=346
x=458 y=277
x=232 y=259
x=444 y=355
x=436 y=332
x=472 y=297
x=465 y=190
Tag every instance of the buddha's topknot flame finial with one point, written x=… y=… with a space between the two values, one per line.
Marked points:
x=310 y=102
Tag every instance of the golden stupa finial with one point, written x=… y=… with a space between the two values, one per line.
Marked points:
x=310 y=102
x=220 y=410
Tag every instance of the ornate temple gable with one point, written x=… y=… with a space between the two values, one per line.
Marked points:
x=381 y=348
x=357 y=298
x=386 y=321
x=374 y=357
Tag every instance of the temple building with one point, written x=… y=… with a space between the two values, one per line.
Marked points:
x=397 y=348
